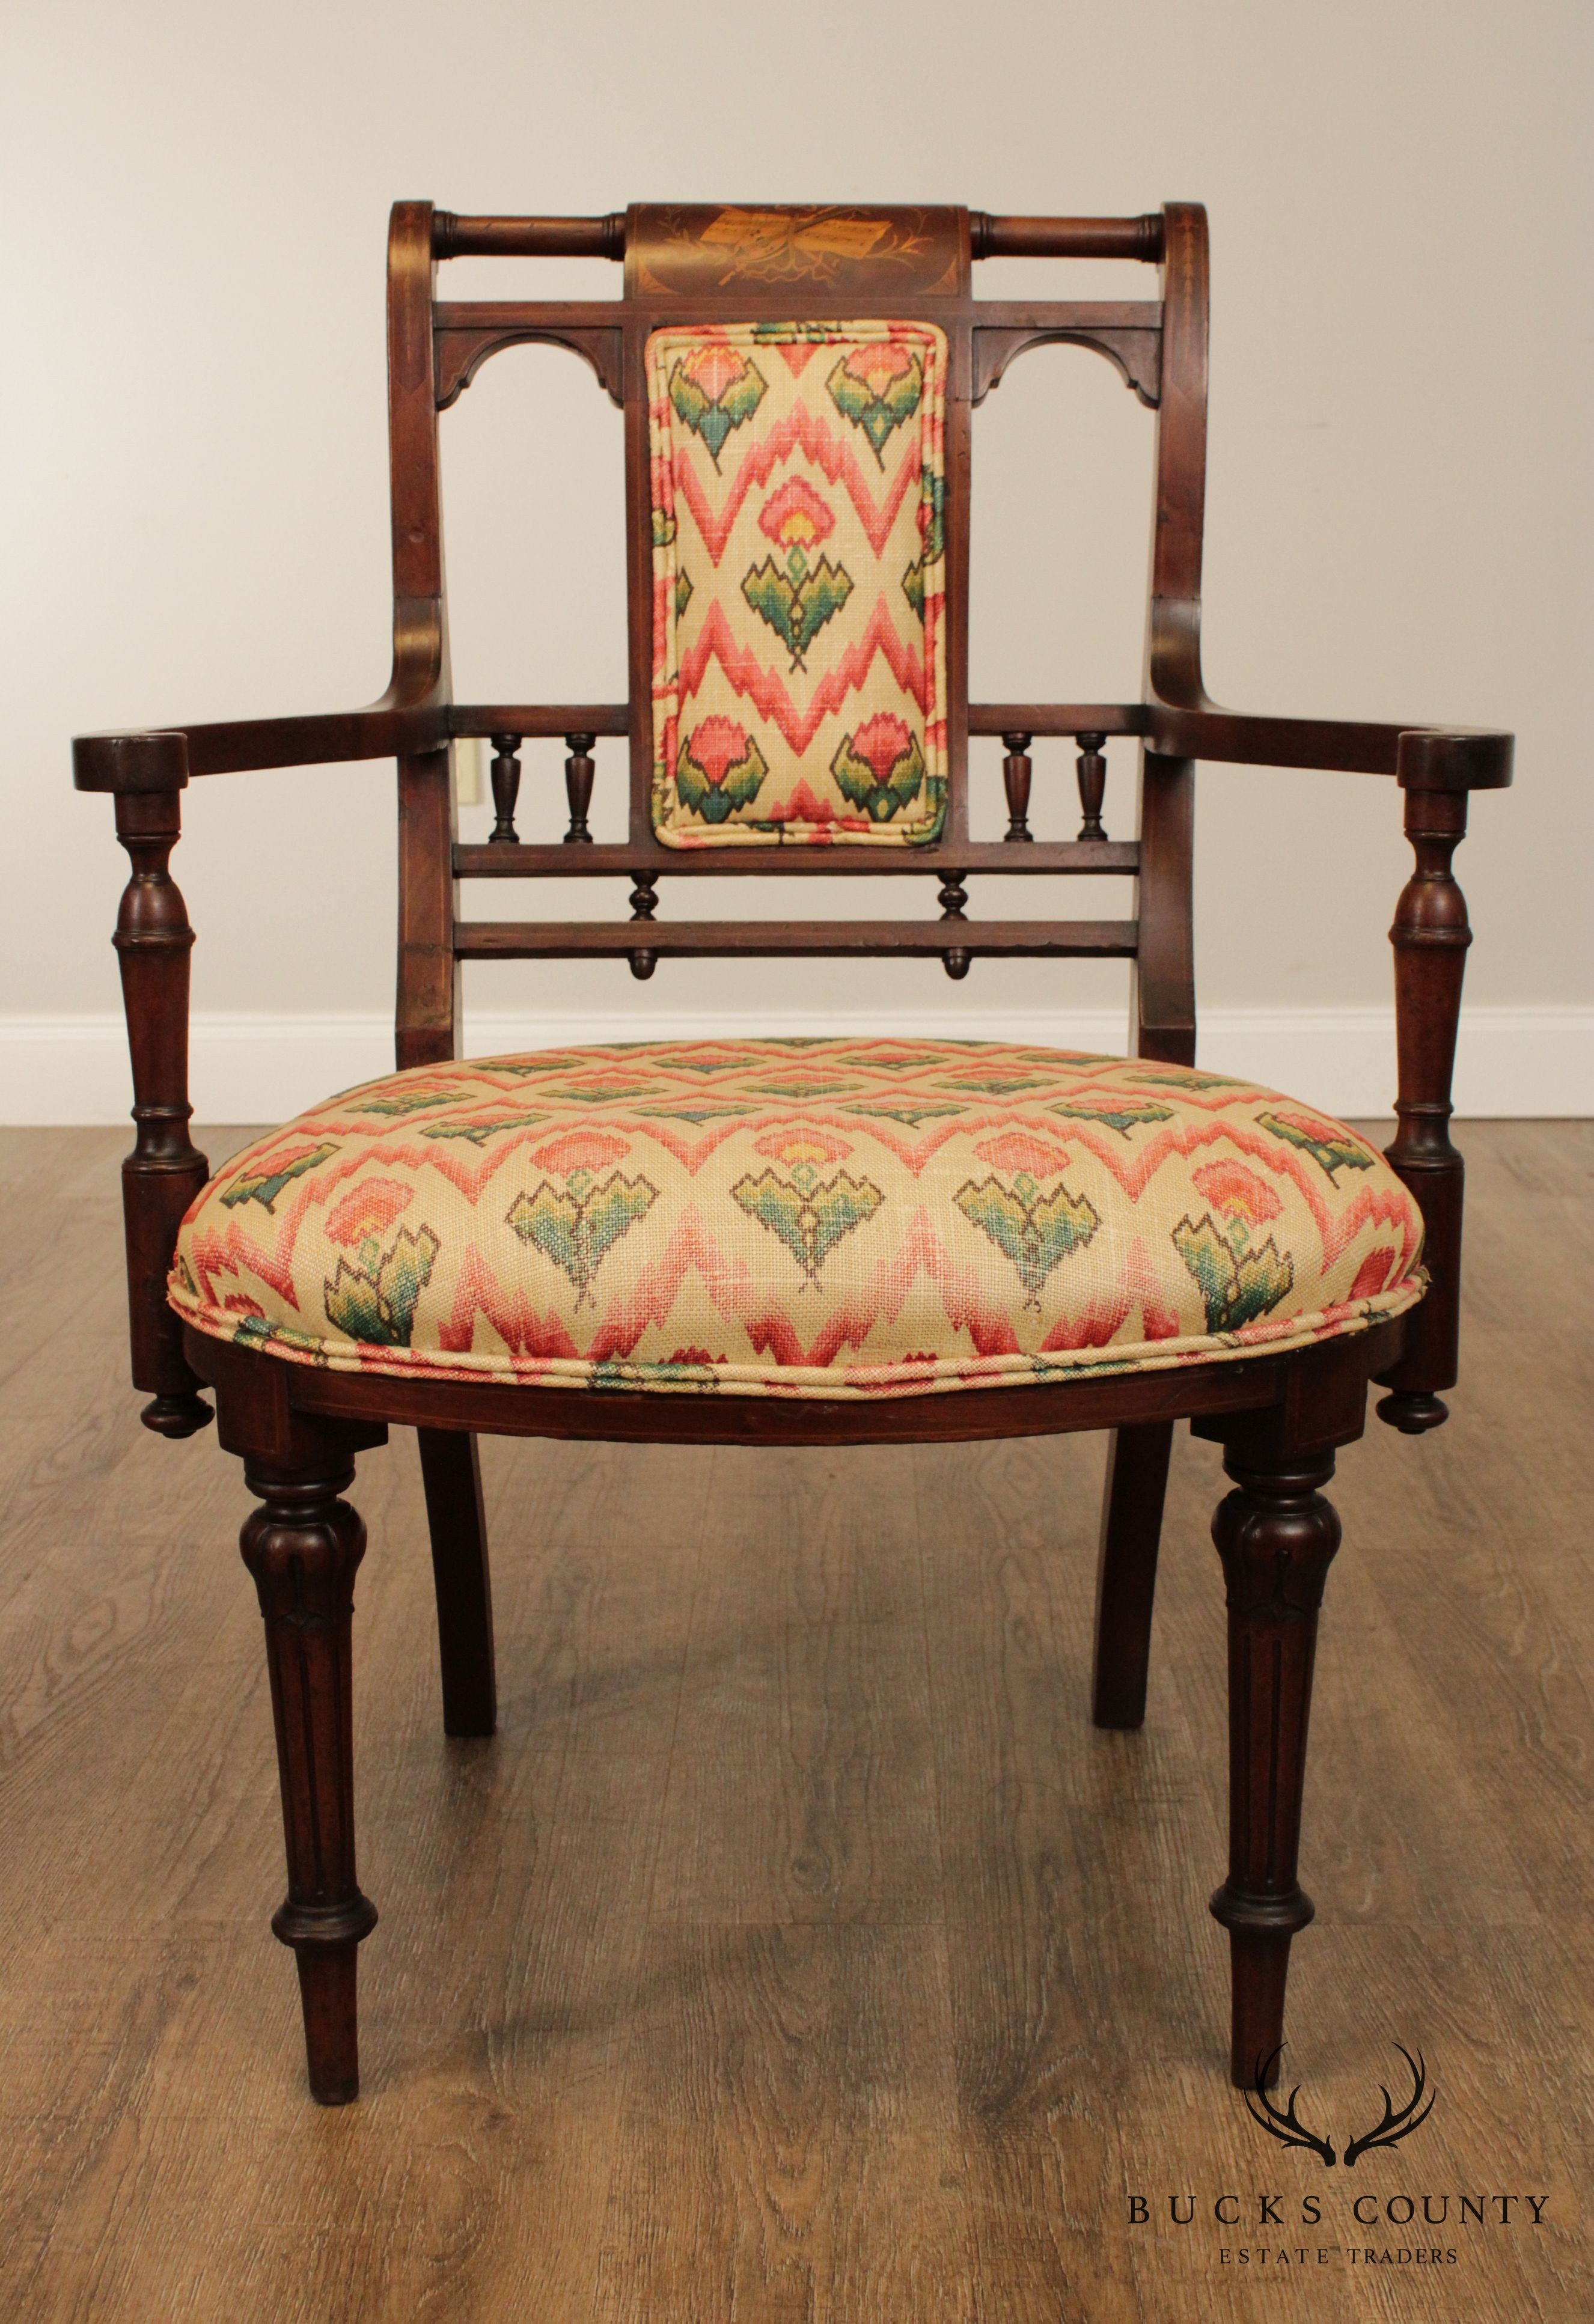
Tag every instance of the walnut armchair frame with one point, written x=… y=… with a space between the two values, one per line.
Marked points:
x=1280 y=1417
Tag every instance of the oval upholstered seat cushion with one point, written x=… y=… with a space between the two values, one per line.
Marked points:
x=799 y=1218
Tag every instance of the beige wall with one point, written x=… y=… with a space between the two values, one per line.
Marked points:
x=195 y=518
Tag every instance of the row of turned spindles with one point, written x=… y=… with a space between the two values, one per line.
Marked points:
x=1090 y=770
x=579 y=772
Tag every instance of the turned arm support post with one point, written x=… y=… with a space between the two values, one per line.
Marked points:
x=164 y=1172
x=1431 y=936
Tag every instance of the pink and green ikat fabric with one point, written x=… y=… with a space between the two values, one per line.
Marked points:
x=809 y=1218
x=799 y=652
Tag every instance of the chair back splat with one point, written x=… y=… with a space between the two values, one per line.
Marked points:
x=797 y=387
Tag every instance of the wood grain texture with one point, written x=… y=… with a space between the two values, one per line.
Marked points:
x=797 y=1949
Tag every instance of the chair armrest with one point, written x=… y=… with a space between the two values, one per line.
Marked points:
x=1422 y=757
x=147 y=772
x=412 y=717
x=1184 y=722
x=1436 y=767
x=164 y=760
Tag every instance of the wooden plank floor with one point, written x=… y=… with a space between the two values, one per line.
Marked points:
x=797 y=1950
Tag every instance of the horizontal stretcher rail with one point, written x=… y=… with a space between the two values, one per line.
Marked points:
x=1066 y=238
x=776 y=939
x=536 y=720
x=528 y=237
x=455 y=237
x=616 y=861
x=555 y=315
x=1058 y=717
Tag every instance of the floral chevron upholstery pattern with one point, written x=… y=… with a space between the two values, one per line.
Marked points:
x=798 y=645
x=813 y=1218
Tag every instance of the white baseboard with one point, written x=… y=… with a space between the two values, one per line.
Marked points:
x=1511 y=1062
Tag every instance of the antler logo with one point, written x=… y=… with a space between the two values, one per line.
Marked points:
x=1398 y=2122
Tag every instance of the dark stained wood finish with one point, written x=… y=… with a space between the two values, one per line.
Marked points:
x=1126 y=1572
x=1430 y=936
x=428 y=1014
x=505 y=772
x=165 y=1170
x=1276 y=1534
x=302 y=1546
x=266 y=1402
x=1017 y=772
x=524 y=237
x=1279 y=1417
x=1164 y=1003
x=604 y=859
x=527 y=719
x=1091 y=773
x=451 y=1474
x=1066 y=238
x=580 y=773
x=752 y=939
x=1129 y=336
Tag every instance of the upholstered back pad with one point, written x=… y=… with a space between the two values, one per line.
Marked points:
x=799 y=686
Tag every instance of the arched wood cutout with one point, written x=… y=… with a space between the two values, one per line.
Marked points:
x=461 y=353
x=1137 y=355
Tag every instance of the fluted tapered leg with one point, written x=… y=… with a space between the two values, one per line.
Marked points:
x=303 y=1546
x=451 y=1473
x=1126 y=1578
x=1276 y=1534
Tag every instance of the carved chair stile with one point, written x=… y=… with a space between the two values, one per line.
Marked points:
x=314 y=1351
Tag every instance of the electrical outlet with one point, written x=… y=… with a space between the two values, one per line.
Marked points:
x=469 y=787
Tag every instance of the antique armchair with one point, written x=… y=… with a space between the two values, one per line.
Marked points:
x=825 y=1242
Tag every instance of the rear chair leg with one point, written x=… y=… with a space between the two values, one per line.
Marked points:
x=1126 y=1577
x=451 y=1473
x=1276 y=1534
x=303 y=1546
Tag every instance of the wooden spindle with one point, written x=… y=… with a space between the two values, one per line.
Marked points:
x=164 y=1171
x=1092 y=772
x=954 y=896
x=644 y=903
x=1430 y=936
x=579 y=771
x=1016 y=773
x=506 y=789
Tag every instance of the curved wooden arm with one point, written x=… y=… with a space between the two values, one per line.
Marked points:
x=1440 y=758
x=1184 y=722
x=1436 y=767
x=163 y=760
x=147 y=773
x=412 y=717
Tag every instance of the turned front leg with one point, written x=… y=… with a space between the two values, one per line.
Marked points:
x=1430 y=936
x=165 y=1171
x=1276 y=1534
x=303 y=1546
